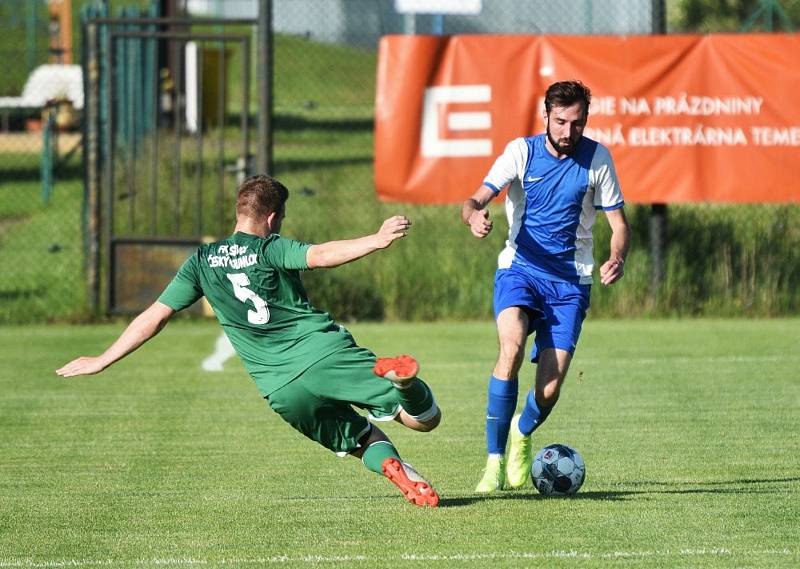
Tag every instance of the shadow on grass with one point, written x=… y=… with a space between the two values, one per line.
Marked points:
x=344 y=124
x=293 y=123
x=528 y=495
x=294 y=165
x=738 y=486
x=719 y=482
x=14 y=295
x=72 y=170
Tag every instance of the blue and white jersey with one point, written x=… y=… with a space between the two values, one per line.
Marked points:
x=551 y=206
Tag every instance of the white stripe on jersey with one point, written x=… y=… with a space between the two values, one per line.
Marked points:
x=517 y=167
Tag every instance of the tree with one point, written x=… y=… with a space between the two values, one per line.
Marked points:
x=705 y=16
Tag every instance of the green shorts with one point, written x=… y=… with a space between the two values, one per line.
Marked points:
x=319 y=403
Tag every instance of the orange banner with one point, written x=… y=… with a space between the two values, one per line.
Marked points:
x=711 y=118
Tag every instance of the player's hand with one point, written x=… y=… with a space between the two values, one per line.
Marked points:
x=392 y=229
x=611 y=271
x=83 y=365
x=479 y=223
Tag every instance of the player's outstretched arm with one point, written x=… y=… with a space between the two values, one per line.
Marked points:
x=142 y=328
x=474 y=212
x=335 y=253
x=613 y=269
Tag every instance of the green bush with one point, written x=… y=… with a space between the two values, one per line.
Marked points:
x=720 y=260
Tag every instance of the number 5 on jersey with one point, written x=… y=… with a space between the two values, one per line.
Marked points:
x=261 y=313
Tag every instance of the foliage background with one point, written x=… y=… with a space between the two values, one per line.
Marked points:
x=720 y=260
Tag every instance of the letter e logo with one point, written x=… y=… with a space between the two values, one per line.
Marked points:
x=433 y=144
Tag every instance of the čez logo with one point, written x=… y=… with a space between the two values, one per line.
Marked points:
x=433 y=143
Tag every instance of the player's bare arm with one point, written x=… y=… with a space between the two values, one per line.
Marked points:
x=613 y=269
x=140 y=330
x=474 y=212
x=335 y=253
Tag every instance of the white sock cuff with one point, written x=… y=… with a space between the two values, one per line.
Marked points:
x=429 y=414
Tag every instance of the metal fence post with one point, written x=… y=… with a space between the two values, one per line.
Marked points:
x=658 y=211
x=91 y=69
x=264 y=82
x=658 y=243
x=30 y=35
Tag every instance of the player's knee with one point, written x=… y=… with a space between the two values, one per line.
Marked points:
x=548 y=395
x=511 y=344
x=427 y=425
x=510 y=357
x=433 y=422
x=512 y=353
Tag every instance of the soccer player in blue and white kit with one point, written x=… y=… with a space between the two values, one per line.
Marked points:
x=558 y=180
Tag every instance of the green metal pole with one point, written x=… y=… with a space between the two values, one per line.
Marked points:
x=770 y=16
x=30 y=35
x=264 y=58
x=658 y=211
x=47 y=165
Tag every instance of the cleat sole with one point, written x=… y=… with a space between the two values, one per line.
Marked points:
x=418 y=493
x=401 y=368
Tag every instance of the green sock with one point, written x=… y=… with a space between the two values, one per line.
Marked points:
x=417 y=398
x=376 y=453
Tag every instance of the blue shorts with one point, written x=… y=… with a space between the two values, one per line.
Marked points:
x=556 y=309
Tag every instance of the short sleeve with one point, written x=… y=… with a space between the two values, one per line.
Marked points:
x=184 y=290
x=286 y=253
x=508 y=165
x=603 y=177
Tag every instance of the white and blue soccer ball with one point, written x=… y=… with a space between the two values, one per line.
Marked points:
x=558 y=470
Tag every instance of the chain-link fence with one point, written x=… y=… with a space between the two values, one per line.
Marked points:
x=325 y=54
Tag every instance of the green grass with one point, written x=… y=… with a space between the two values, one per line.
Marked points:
x=327 y=77
x=688 y=429
x=41 y=245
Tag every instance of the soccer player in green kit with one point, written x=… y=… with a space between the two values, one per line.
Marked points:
x=308 y=368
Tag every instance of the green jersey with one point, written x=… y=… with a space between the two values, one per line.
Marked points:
x=253 y=284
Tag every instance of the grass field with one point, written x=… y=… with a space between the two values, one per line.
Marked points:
x=689 y=431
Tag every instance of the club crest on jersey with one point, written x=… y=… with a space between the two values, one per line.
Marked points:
x=233 y=250
x=233 y=256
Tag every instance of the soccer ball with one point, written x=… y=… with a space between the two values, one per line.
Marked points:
x=558 y=470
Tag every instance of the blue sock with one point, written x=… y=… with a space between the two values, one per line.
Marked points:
x=499 y=411
x=533 y=415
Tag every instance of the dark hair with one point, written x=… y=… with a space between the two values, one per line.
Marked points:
x=261 y=195
x=566 y=94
